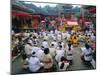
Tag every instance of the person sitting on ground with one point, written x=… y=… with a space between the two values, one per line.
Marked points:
x=34 y=63
x=87 y=54
x=24 y=61
x=62 y=44
x=63 y=64
x=59 y=53
x=28 y=49
x=47 y=60
x=55 y=44
x=45 y=44
x=52 y=50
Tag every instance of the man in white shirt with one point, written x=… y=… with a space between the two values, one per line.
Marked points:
x=52 y=50
x=34 y=63
x=55 y=44
x=59 y=53
x=68 y=35
x=28 y=49
x=40 y=54
x=87 y=53
x=45 y=44
x=59 y=37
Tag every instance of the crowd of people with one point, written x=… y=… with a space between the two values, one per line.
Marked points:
x=44 y=50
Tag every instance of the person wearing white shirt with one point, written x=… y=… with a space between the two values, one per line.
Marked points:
x=68 y=36
x=44 y=33
x=40 y=54
x=46 y=37
x=63 y=64
x=30 y=40
x=28 y=49
x=62 y=44
x=69 y=53
x=45 y=44
x=64 y=36
x=34 y=63
x=35 y=49
x=55 y=44
x=52 y=50
x=93 y=38
x=87 y=54
x=59 y=37
x=59 y=53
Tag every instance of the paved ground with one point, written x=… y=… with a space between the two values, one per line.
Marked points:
x=77 y=64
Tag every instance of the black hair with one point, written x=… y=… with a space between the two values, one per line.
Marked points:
x=52 y=44
x=46 y=50
x=62 y=65
x=75 y=37
x=34 y=37
x=30 y=35
x=44 y=40
x=60 y=46
x=24 y=56
x=69 y=48
x=87 y=46
x=62 y=59
x=59 y=42
x=69 y=45
x=33 y=53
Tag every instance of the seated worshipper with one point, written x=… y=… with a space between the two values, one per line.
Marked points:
x=93 y=37
x=30 y=40
x=63 y=64
x=24 y=61
x=52 y=50
x=35 y=40
x=46 y=37
x=45 y=44
x=59 y=37
x=34 y=64
x=35 y=49
x=87 y=55
x=59 y=53
x=28 y=49
x=64 y=35
x=47 y=60
x=55 y=44
x=40 y=54
x=62 y=44
x=69 y=53
x=35 y=34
